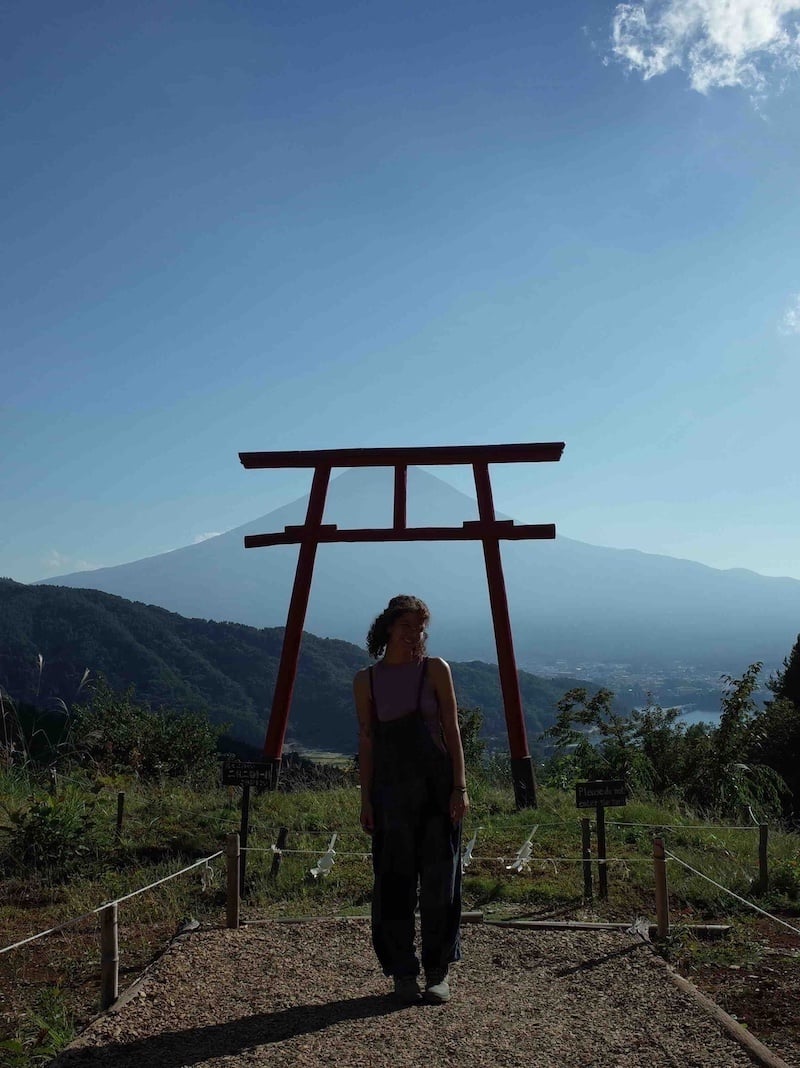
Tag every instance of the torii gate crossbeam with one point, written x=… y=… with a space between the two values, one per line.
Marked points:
x=487 y=529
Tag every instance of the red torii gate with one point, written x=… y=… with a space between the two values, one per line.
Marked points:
x=487 y=529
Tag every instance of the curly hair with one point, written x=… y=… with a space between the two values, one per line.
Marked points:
x=378 y=635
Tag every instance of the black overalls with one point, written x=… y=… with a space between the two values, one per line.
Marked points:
x=414 y=839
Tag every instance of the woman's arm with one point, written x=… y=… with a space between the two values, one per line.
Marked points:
x=448 y=712
x=363 y=702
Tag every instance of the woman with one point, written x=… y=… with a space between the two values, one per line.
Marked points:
x=413 y=798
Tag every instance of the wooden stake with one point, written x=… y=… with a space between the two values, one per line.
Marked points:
x=109 y=956
x=763 y=869
x=662 y=899
x=244 y=829
x=283 y=834
x=120 y=813
x=232 y=897
x=602 y=867
x=586 y=850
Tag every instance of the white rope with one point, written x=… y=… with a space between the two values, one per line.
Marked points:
x=327 y=832
x=493 y=860
x=298 y=852
x=107 y=904
x=158 y=882
x=684 y=826
x=574 y=860
x=743 y=900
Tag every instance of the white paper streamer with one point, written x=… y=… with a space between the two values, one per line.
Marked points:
x=641 y=927
x=325 y=862
x=522 y=861
x=467 y=858
x=206 y=878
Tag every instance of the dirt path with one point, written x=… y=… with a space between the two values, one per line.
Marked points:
x=310 y=994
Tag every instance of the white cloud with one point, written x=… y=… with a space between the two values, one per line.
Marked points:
x=204 y=537
x=747 y=43
x=56 y=561
x=790 y=323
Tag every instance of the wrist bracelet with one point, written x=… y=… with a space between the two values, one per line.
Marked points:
x=460 y=789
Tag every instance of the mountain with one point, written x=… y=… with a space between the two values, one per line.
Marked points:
x=226 y=670
x=569 y=601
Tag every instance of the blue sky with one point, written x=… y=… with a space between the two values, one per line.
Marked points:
x=233 y=226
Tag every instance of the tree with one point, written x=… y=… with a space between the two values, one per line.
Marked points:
x=656 y=753
x=786 y=683
x=738 y=709
x=470 y=723
x=675 y=755
x=595 y=741
x=735 y=784
x=775 y=742
x=775 y=732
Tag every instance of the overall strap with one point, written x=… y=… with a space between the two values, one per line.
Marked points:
x=372 y=693
x=421 y=684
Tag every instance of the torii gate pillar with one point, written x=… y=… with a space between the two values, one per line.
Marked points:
x=488 y=530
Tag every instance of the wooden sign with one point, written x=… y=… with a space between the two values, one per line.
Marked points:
x=247 y=772
x=609 y=792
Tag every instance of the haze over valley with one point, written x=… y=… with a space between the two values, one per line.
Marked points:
x=630 y=619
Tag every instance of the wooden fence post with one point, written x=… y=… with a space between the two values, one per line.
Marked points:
x=586 y=850
x=602 y=867
x=109 y=956
x=662 y=900
x=244 y=830
x=283 y=834
x=232 y=856
x=763 y=868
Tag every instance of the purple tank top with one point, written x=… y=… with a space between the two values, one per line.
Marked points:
x=395 y=688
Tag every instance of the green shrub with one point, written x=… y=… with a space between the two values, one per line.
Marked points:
x=114 y=733
x=50 y=836
x=785 y=877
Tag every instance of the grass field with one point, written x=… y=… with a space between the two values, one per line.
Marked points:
x=51 y=986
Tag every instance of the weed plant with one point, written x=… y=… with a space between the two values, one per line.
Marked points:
x=47 y=1027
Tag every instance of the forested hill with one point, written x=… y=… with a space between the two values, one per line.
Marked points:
x=227 y=670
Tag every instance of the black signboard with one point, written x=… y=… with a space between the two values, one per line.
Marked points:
x=607 y=792
x=247 y=772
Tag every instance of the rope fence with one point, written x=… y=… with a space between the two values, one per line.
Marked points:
x=477 y=860
x=109 y=931
x=524 y=855
x=328 y=831
x=235 y=855
x=719 y=886
x=660 y=859
x=108 y=904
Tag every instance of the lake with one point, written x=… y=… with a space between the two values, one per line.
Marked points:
x=691 y=715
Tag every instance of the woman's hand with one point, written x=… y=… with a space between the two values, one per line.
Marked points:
x=459 y=805
x=367 y=817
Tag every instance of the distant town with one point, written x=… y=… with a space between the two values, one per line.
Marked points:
x=695 y=689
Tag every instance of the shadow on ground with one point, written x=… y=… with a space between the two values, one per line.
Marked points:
x=176 y=1049
x=596 y=962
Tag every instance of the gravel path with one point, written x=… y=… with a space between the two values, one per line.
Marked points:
x=310 y=994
